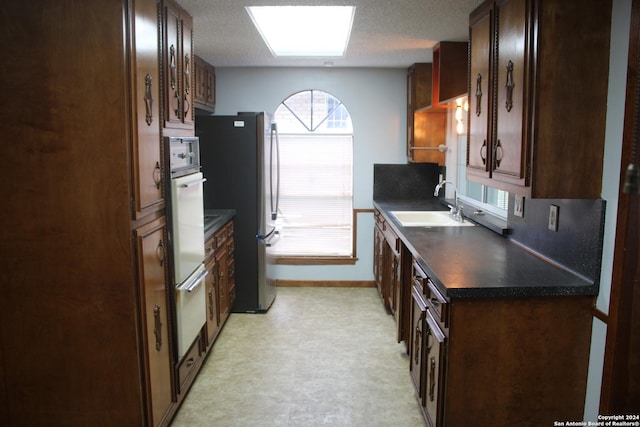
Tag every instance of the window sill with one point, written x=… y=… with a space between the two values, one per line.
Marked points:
x=315 y=260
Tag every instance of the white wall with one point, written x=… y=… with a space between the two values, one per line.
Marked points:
x=620 y=23
x=376 y=101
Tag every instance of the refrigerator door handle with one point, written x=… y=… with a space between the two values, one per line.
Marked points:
x=274 y=212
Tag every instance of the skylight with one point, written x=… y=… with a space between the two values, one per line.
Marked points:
x=304 y=30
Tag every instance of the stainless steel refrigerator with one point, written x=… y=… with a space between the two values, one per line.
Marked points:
x=239 y=158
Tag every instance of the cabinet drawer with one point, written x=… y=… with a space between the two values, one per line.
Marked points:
x=189 y=365
x=437 y=302
x=209 y=248
x=391 y=237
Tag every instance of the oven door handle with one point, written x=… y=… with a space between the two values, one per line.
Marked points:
x=189 y=287
x=192 y=183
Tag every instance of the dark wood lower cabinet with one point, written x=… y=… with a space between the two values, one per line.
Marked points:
x=151 y=242
x=220 y=282
x=501 y=362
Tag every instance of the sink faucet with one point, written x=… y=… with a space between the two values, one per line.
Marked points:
x=455 y=211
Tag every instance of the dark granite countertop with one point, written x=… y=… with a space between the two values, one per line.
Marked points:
x=474 y=262
x=214 y=219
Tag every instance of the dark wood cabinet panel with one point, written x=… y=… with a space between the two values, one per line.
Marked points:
x=449 y=72
x=205 y=90
x=72 y=329
x=177 y=67
x=480 y=92
x=146 y=91
x=152 y=256
x=537 y=94
x=513 y=360
x=220 y=281
x=426 y=127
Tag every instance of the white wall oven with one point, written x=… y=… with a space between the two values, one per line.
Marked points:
x=187 y=238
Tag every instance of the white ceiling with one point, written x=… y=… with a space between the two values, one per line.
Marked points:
x=386 y=33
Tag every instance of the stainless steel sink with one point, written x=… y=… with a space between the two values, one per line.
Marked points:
x=428 y=219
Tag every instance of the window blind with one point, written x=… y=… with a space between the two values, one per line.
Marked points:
x=316 y=192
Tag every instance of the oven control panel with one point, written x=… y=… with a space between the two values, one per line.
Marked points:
x=184 y=155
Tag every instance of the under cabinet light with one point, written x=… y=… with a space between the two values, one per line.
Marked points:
x=304 y=30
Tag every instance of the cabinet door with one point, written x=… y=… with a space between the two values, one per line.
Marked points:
x=171 y=58
x=378 y=247
x=221 y=284
x=151 y=242
x=211 y=87
x=416 y=346
x=411 y=76
x=213 y=319
x=433 y=366
x=148 y=176
x=510 y=137
x=187 y=70
x=231 y=271
x=479 y=140
x=199 y=90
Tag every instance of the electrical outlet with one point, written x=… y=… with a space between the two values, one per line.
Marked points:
x=518 y=206
x=553 y=217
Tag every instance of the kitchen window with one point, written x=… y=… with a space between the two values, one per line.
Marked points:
x=489 y=199
x=316 y=183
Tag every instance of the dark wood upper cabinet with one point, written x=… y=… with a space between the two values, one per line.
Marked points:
x=204 y=96
x=449 y=79
x=537 y=96
x=177 y=67
x=426 y=127
x=85 y=326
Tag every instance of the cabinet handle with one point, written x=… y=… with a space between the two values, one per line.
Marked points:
x=416 y=344
x=157 y=175
x=190 y=362
x=432 y=378
x=186 y=105
x=187 y=73
x=176 y=104
x=499 y=153
x=210 y=304
x=478 y=95
x=157 y=328
x=172 y=65
x=483 y=152
x=148 y=98
x=160 y=252
x=509 y=85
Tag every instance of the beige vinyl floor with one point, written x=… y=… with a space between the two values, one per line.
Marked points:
x=318 y=357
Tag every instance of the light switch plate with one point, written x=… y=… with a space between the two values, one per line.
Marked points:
x=553 y=217
x=518 y=206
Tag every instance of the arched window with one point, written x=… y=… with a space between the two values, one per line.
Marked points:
x=316 y=176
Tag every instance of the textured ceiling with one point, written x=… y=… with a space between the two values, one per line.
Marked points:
x=386 y=33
